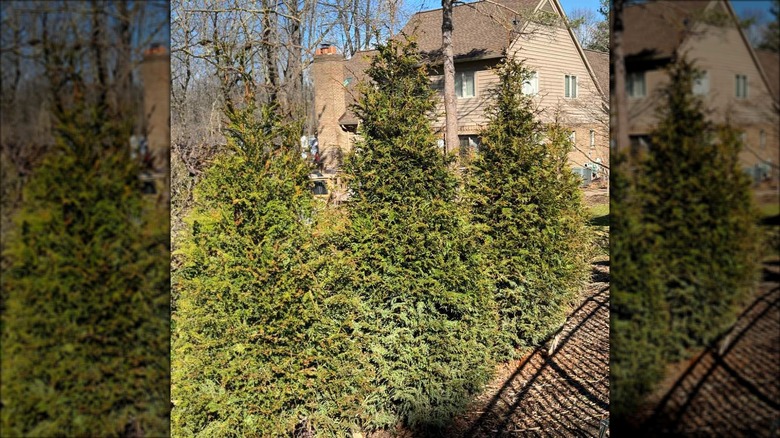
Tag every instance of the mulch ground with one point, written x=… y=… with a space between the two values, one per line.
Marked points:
x=731 y=388
x=563 y=394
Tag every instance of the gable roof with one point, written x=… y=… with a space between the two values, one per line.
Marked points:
x=599 y=63
x=770 y=61
x=480 y=30
x=657 y=28
x=354 y=71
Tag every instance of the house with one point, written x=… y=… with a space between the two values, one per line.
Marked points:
x=569 y=84
x=738 y=83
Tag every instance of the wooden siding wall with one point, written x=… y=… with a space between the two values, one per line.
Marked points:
x=723 y=54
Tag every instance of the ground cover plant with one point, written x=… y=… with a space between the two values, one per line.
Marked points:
x=85 y=331
x=528 y=203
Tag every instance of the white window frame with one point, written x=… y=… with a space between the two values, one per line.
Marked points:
x=459 y=91
x=741 y=90
x=762 y=139
x=633 y=82
x=531 y=85
x=570 y=86
x=592 y=139
x=573 y=137
x=701 y=85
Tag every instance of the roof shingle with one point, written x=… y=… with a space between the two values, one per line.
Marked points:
x=599 y=62
x=480 y=29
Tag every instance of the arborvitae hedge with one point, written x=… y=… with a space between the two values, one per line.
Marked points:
x=639 y=313
x=255 y=349
x=429 y=315
x=702 y=206
x=85 y=340
x=684 y=242
x=525 y=196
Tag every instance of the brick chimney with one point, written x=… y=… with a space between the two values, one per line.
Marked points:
x=327 y=72
x=326 y=49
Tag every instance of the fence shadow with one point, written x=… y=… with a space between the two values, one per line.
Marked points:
x=732 y=387
x=565 y=393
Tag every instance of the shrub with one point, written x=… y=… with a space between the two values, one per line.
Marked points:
x=702 y=207
x=527 y=200
x=684 y=243
x=639 y=313
x=85 y=340
x=254 y=350
x=429 y=318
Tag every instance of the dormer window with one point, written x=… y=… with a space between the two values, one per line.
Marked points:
x=464 y=84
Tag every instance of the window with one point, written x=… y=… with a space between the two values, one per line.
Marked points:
x=469 y=141
x=742 y=87
x=635 y=84
x=743 y=137
x=531 y=85
x=592 y=139
x=701 y=85
x=570 y=86
x=469 y=145
x=762 y=139
x=464 y=84
x=573 y=137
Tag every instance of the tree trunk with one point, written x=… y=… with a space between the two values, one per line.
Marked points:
x=270 y=49
x=450 y=103
x=619 y=124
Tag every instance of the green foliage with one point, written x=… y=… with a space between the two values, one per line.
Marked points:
x=639 y=313
x=527 y=199
x=684 y=242
x=699 y=194
x=258 y=345
x=85 y=339
x=429 y=317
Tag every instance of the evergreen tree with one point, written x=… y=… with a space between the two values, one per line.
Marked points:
x=254 y=352
x=85 y=335
x=702 y=207
x=684 y=243
x=639 y=314
x=528 y=200
x=770 y=37
x=428 y=315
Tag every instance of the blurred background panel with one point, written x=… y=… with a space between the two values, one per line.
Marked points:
x=85 y=218
x=695 y=318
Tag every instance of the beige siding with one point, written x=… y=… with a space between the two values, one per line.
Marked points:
x=723 y=54
x=553 y=54
x=471 y=110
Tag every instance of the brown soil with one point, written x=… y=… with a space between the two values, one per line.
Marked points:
x=595 y=196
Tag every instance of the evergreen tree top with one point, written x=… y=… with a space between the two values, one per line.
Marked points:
x=397 y=159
